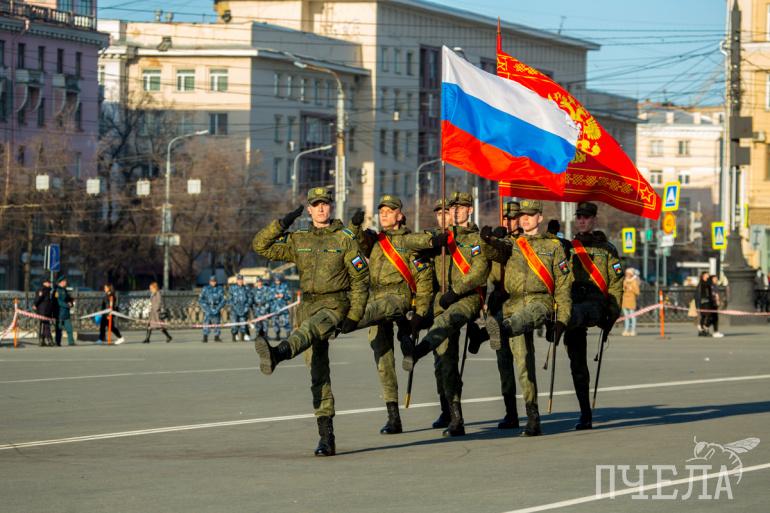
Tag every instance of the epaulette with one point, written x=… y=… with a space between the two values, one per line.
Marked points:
x=348 y=233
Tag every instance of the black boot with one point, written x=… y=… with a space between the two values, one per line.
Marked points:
x=456 y=425
x=476 y=336
x=217 y=339
x=168 y=337
x=511 y=419
x=326 y=445
x=270 y=356
x=205 y=338
x=393 y=426
x=147 y=337
x=533 y=422
x=234 y=337
x=420 y=350
x=586 y=416
x=443 y=420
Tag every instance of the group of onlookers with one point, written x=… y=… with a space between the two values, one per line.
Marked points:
x=707 y=302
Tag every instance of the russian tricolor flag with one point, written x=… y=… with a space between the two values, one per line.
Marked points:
x=501 y=130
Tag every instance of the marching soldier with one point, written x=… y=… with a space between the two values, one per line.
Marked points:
x=212 y=300
x=596 y=297
x=400 y=281
x=334 y=279
x=466 y=275
x=239 y=301
x=537 y=280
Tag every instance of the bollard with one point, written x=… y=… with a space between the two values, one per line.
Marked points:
x=662 y=315
x=15 y=323
x=109 y=325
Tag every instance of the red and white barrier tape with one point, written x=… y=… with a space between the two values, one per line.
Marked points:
x=10 y=328
x=639 y=312
x=721 y=312
x=33 y=315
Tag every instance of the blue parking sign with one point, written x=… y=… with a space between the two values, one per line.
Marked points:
x=53 y=257
x=671 y=197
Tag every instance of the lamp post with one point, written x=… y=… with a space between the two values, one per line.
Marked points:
x=340 y=176
x=295 y=168
x=165 y=218
x=417 y=192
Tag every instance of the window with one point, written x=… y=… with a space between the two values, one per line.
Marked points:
x=408 y=144
x=41 y=113
x=683 y=148
x=409 y=102
x=277 y=162
x=384 y=58
x=396 y=100
x=684 y=177
x=218 y=79
x=351 y=139
x=330 y=90
x=78 y=64
x=351 y=98
x=3 y=106
x=395 y=150
x=186 y=122
x=21 y=153
x=384 y=142
x=218 y=124
x=277 y=85
x=41 y=58
x=2 y=53
x=151 y=79
x=60 y=61
x=489 y=65
x=20 y=60
x=656 y=177
x=383 y=99
x=185 y=80
x=290 y=86
x=383 y=177
x=290 y=122
x=79 y=117
x=656 y=148
x=410 y=63
x=406 y=184
x=21 y=116
x=317 y=92
x=303 y=89
x=76 y=166
x=100 y=75
x=397 y=60
x=277 y=128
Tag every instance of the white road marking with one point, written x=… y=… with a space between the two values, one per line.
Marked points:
x=150 y=373
x=261 y=420
x=636 y=489
x=56 y=360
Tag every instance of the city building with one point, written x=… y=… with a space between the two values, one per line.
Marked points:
x=49 y=105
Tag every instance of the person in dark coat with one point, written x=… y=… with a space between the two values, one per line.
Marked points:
x=44 y=306
x=110 y=300
x=62 y=304
x=156 y=313
x=704 y=301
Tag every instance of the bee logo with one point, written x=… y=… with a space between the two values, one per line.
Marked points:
x=706 y=451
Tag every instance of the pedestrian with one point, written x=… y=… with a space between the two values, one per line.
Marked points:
x=212 y=300
x=44 y=306
x=704 y=301
x=279 y=301
x=716 y=302
x=597 y=290
x=538 y=281
x=400 y=282
x=109 y=300
x=631 y=293
x=158 y=313
x=261 y=296
x=467 y=271
x=334 y=280
x=63 y=302
x=239 y=300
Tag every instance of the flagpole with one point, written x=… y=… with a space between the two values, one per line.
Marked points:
x=443 y=225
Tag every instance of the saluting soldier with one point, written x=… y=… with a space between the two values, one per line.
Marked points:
x=466 y=276
x=401 y=281
x=537 y=279
x=334 y=279
x=596 y=297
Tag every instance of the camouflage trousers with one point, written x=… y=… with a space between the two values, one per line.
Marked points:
x=318 y=319
x=444 y=338
x=240 y=318
x=381 y=310
x=518 y=351
x=211 y=318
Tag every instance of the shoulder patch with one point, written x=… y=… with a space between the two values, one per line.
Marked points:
x=420 y=263
x=348 y=233
x=564 y=267
x=359 y=263
x=475 y=250
x=618 y=268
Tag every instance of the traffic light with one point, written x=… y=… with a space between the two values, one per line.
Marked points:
x=695 y=226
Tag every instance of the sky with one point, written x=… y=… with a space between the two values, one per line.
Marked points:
x=661 y=50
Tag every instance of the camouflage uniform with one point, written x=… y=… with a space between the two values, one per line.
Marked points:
x=280 y=298
x=390 y=298
x=590 y=307
x=334 y=279
x=212 y=300
x=260 y=302
x=239 y=300
x=530 y=304
x=443 y=336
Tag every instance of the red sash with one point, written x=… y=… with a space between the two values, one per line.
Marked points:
x=590 y=267
x=397 y=260
x=536 y=264
x=460 y=261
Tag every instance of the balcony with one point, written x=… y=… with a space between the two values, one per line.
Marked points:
x=47 y=15
x=70 y=83
x=30 y=77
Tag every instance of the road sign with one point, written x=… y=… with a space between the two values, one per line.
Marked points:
x=670 y=197
x=53 y=257
x=666 y=241
x=718 y=238
x=669 y=223
x=629 y=240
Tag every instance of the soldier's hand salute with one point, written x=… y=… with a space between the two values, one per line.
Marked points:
x=288 y=220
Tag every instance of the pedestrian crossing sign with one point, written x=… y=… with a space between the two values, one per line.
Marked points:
x=718 y=238
x=629 y=240
x=670 y=197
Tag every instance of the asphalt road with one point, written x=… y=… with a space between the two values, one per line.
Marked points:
x=188 y=427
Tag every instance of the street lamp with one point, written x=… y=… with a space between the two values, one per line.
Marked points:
x=340 y=176
x=165 y=218
x=295 y=168
x=417 y=192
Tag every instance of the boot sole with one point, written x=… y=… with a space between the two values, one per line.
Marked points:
x=262 y=348
x=495 y=335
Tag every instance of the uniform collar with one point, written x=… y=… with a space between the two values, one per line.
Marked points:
x=334 y=226
x=403 y=230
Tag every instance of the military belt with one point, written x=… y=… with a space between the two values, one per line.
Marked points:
x=393 y=288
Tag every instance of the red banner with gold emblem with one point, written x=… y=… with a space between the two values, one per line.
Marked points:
x=600 y=171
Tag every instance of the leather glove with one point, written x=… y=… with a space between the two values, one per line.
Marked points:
x=500 y=232
x=559 y=328
x=415 y=323
x=496 y=300
x=439 y=240
x=370 y=236
x=486 y=233
x=348 y=325
x=287 y=220
x=358 y=218
x=448 y=298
